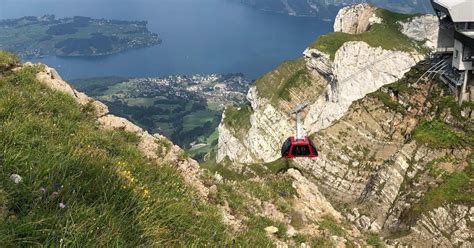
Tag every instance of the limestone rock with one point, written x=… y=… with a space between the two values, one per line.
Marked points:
x=50 y=77
x=433 y=227
x=313 y=204
x=15 y=178
x=271 y=229
x=355 y=19
x=271 y=211
x=319 y=62
x=422 y=28
x=291 y=231
x=213 y=190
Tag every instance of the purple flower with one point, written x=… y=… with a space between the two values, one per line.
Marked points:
x=42 y=190
x=61 y=205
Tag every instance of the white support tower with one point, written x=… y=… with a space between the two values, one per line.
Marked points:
x=297 y=111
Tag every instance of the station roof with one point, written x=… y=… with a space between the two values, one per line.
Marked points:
x=459 y=10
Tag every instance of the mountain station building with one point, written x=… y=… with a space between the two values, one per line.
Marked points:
x=456 y=38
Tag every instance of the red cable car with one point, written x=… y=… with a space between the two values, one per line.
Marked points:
x=293 y=148
x=298 y=146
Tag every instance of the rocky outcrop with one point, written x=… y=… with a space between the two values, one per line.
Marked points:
x=152 y=146
x=447 y=226
x=422 y=28
x=312 y=202
x=358 y=70
x=319 y=63
x=356 y=19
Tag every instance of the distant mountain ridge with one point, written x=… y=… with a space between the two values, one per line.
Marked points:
x=327 y=9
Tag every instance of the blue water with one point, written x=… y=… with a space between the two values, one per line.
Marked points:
x=199 y=36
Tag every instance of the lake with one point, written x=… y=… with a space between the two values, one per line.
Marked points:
x=199 y=36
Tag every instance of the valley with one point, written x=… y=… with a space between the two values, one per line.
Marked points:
x=186 y=109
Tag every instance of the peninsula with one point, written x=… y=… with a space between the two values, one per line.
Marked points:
x=79 y=36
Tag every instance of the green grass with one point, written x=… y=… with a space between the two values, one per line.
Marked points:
x=274 y=187
x=374 y=240
x=113 y=196
x=7 y=60
x=386 y=35
x=437 y=134
x=386 y=99
x=141 y=101
x=456 y=187
x=449 y=102
x=329 y=223
x=238 y=119
x=198 y=119
x=224 y=169
x=277 y=84
x=278 y=166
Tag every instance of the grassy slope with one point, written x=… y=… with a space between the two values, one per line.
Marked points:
x=276 y=85
x=386 y=35
x=238 y=119
x=113 y=196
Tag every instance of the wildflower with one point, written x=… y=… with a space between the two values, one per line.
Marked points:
x=42 y=190
x=16 y=178
x=54 y=194
x=61 y=205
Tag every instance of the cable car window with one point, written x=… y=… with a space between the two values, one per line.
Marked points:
x=313 y=147
x=285 y=149
x=301 y=151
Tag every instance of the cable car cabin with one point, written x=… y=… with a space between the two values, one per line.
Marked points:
x=297 y=148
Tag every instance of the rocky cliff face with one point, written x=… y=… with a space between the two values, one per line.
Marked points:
x=331 y=87
x=384 y=162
